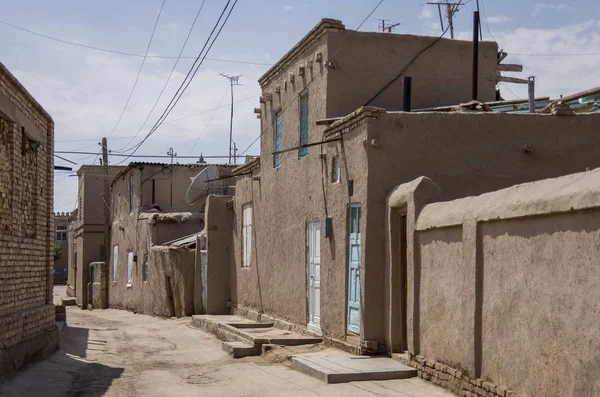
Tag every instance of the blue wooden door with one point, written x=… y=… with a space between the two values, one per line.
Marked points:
x=354 y=270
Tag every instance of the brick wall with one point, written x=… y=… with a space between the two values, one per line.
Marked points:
x=26 y=220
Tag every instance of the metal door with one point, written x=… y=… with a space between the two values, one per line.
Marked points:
x=354 y=270
x=313 y=237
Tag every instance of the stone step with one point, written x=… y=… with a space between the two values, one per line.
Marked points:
x=240 y=349
x=347 y=368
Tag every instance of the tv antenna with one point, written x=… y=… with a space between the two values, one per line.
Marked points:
x=385 y=25
x=233 y=80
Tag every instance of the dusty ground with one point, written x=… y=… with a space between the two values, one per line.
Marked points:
x=120 y=354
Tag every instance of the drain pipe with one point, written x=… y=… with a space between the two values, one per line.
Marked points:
x=531 y=93
x=406 y=93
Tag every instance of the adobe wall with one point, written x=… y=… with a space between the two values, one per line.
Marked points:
x=28 y=328
x=441 y=76
x=466 y=154
x=284 y=201
x=507 y=293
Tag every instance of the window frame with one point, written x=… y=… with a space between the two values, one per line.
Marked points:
x=130 y=260
x=115 y=262
x=336 y=170
x=303 y=99
x=247 y=234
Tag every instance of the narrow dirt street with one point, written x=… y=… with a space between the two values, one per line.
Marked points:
x=117 y=353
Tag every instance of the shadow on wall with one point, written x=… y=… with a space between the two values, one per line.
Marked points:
x=64 y=373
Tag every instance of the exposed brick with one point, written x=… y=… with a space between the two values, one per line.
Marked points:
x=26 y=218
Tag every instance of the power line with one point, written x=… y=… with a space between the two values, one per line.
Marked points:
x=209 y=110
x=170 y=73
x=316 y=74
x=487 y=25
x=129 y=54
x=409 y=64
x=140 y=70
x=181 y=90
x=145 y=155
x=209 y=121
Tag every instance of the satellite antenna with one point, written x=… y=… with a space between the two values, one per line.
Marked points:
x=202 y=185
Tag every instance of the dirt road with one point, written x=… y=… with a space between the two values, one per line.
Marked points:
x=116 y=353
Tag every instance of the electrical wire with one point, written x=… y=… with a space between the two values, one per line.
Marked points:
x=511 y=91
x=170 y=74
x=143 y=155
x=140 y=70
x=317 y=74
x=185 y=84
x=129 y=54
x=487 y=25
x=409 y=64
x=209 y=121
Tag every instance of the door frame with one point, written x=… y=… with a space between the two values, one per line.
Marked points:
x=349 y=331
x=311 y=326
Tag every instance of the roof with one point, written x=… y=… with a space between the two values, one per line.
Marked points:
x=324 y=25
x=251 y=165
x=141 y=164
x=96 y=168
x=186 y=242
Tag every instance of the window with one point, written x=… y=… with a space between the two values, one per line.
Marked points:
x=303 y=151
x=277 y=138
x=129 y=269
x=61 y=227
x=60 y=236
x=246 y=234
x=115 y=262
x=130 y=193
x=335 y=169
x=145 y=267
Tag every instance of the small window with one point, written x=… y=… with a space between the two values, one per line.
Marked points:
x=115 y=262
x=335 y=169
x=246 y=234
x=61 y=227
x=303 y=151
x=277 y=138
x=145 y=267
x=61 y=236
x=130 y=193
x=129 y=269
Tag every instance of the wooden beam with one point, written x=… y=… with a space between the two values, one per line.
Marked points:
x=328 y=121
x=515 y=80
x=507 y=67
x=572 y=97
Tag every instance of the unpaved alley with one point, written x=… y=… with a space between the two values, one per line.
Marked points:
x=116 y=353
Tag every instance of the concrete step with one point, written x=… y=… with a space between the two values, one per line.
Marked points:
x=240 y=349
x=341 y=368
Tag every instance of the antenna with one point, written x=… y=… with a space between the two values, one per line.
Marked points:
x=233 y=80
x=202 y=185
x=451 y=9
x=386 y=25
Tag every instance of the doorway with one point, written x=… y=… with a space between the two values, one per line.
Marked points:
x=354 y=248
x=313 y=240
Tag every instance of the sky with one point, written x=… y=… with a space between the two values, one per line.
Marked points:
x=86 y=90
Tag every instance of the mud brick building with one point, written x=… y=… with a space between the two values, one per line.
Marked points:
x=27 y=326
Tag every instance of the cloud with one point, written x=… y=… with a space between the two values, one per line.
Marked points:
x=499 y=19
x=289 y=7
x=551 y=56
x=539 y=7
x=426 y=12
x=172 y=27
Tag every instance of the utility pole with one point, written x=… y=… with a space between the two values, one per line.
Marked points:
x=171 y=154
x=106 y=199
x=451 y=9
x=389 y=27
x=233 y=80
x=475 y=54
